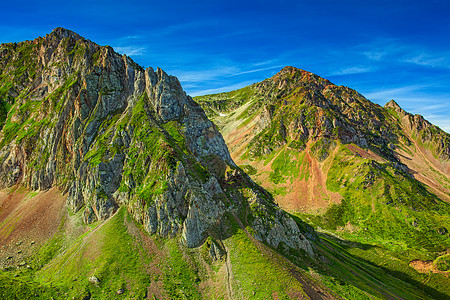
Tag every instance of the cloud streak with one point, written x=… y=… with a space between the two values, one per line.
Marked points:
x=222 y=89
x=131 y=50
x=392 y=93
x=204 y=75
x=393 y=50
x=435 y=61
x=256 y=70
x=352 y=71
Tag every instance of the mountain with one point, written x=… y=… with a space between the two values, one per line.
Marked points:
x=116 y=184
x=370 y=174
x=109 y=133
x=91 y=126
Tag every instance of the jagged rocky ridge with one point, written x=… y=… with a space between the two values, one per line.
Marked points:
x=350 y=165
x=298 y=105
x=107 y=132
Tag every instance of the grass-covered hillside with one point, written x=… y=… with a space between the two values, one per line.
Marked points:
x=118 y=259
x=362 y=173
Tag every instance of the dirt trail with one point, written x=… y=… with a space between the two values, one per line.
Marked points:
x=230 y=276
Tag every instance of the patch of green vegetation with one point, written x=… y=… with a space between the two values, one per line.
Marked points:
x=226 y=103
x=336 y=214
x=96 y=57
x=24 y=288
x=442 y=263
x=117 y=265
x=49 y=250
x=181 y=279
x=384 y=205
x=197 y=170
x=78 y=50
x=396 y=264
x=281 y=191
x=174 y=129
x=28 y=113
x=287 y=163
x=276 y=177
x=104 y=148
x=8 y=225
x=250 y=261
x=248 y=118
x=321 y=148
x=10 y=131
x=3 y=112
x=391 y=213
x=150 y=157
x=250 y=170
x=350 y=268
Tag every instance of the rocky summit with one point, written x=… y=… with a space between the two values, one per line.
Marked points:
x=115 y=183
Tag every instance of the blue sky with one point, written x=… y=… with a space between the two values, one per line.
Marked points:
x=384 y=49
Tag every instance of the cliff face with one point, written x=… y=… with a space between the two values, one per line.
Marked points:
x=81 y=117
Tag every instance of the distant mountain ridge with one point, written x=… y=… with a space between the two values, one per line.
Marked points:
x=348 y=110
x=295 y=107
x=347 y=163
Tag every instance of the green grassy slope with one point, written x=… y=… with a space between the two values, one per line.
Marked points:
x=295 y=134
x=123 y=257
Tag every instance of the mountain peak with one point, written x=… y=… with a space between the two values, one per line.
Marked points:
x=394 y=105
x=289 y=70
x=299 y=75
x=61 y=33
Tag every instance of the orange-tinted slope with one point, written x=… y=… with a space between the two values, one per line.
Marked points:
x=25 y=216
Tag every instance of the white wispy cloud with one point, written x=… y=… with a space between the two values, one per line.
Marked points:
x=227 y=70
x=425 y=59
x=393 y=93
x=390 y=50
x=352 y=70
x=222 y=89
x=131 y=50
x=256 y=70
x=431 y=108
x=380 y=48
x=265 y=63
x=204 y=75
x=130 y=37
